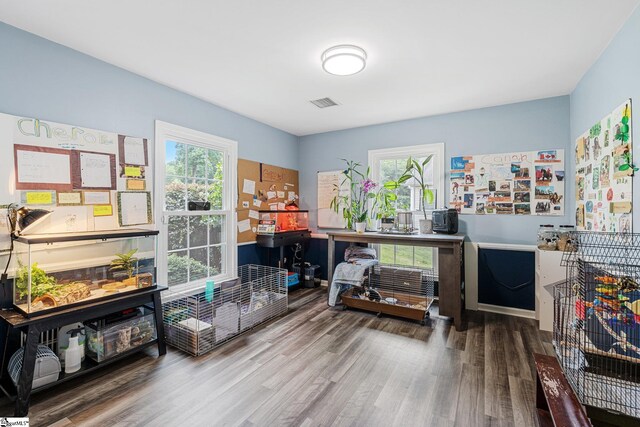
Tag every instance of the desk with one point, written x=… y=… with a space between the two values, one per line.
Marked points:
x=33 y=326
x=450 y=263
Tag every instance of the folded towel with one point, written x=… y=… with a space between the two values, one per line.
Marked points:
x=346 y=275
x=359 y=252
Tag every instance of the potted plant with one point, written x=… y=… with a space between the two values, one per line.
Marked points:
x=355 y=204
x=126 y=262
x=384 y=207
x=415 y=170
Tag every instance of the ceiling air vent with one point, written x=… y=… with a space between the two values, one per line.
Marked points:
x=324 y=102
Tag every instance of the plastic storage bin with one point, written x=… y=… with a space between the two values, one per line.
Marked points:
x=310 y=274
x=292 y=279
x=107 y=340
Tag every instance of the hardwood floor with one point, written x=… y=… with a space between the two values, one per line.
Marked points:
x=316 y=367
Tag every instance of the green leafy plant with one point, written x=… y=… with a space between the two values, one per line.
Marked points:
x=386 y=207
x=623 y=135
x=125 y=262
x=355 y=204
x=415 y=170
x=41 y=284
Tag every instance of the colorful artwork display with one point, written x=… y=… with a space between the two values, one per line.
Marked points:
x=604 y=174
x=525 y=183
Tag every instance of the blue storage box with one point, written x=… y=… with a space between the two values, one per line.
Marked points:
x=292 y=279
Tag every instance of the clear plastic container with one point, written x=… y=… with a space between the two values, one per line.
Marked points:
x=547 y=238
x=565 y=238
x=108 y=340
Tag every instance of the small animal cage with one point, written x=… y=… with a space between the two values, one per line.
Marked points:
x=394 y=290
x=597 y=320
x=196 y=321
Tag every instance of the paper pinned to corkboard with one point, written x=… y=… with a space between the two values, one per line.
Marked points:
x=265 y=181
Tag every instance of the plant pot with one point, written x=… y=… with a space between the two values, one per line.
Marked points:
x=426 y=226
x=361 y=227
x=387 y=223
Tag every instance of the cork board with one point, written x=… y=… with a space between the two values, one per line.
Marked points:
x=261 y=187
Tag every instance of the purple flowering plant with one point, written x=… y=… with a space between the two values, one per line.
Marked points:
x=364 y=198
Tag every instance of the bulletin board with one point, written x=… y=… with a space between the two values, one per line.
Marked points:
x=76 y=173
x=262 y=187
x=523 y=183
x=604 y=175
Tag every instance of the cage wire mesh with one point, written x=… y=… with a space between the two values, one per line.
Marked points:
x=394 y=289
x=597 y=320
x=196 y=321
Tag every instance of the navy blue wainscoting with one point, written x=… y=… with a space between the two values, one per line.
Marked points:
x=316 y=253
x=506 y=278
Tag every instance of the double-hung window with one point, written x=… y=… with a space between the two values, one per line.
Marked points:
x=389 y=164
x=195 y=243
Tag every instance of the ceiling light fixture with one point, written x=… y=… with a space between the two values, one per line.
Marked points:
x=344 y=60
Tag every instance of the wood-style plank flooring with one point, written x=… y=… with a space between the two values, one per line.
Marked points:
x=318 y=367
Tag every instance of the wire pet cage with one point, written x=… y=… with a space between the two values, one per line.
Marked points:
x=394 y=290
x=597 y=320
x=196 y=322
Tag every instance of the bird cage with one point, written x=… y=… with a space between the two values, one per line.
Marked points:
x=196 y=321
x=597 y=321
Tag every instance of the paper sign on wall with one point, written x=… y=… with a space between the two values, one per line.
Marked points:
x=249 y=186
x=244 y=225
x=133 y=150
x=39 y=197
x=134 y=208
x=132 y=171
x=71 y=198
x=102 y=210
x=95 y=170
x=43 y=166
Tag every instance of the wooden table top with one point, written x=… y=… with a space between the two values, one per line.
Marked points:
x=444 y=238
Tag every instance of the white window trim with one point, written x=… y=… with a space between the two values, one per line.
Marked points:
x=436 y=149
x=166 y=131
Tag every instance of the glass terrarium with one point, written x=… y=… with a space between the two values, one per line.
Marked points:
x=282 y=221
x=55 y=271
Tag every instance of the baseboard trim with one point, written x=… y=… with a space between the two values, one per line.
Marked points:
x=510 y=311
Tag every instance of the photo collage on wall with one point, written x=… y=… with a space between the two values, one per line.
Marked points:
x=604 y=173
x=525 y=183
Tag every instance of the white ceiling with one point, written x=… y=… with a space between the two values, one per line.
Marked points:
x=262 y=58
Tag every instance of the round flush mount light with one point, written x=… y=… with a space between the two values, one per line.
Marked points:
x=344 y=60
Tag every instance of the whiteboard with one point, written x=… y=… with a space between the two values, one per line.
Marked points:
x=328 y=183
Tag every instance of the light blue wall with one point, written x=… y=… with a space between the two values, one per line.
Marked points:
x=613 y=79
x=42 y=79
x=524 y=126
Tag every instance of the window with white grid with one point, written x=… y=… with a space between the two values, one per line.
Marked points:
x=389 y=164
x=195 y=244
